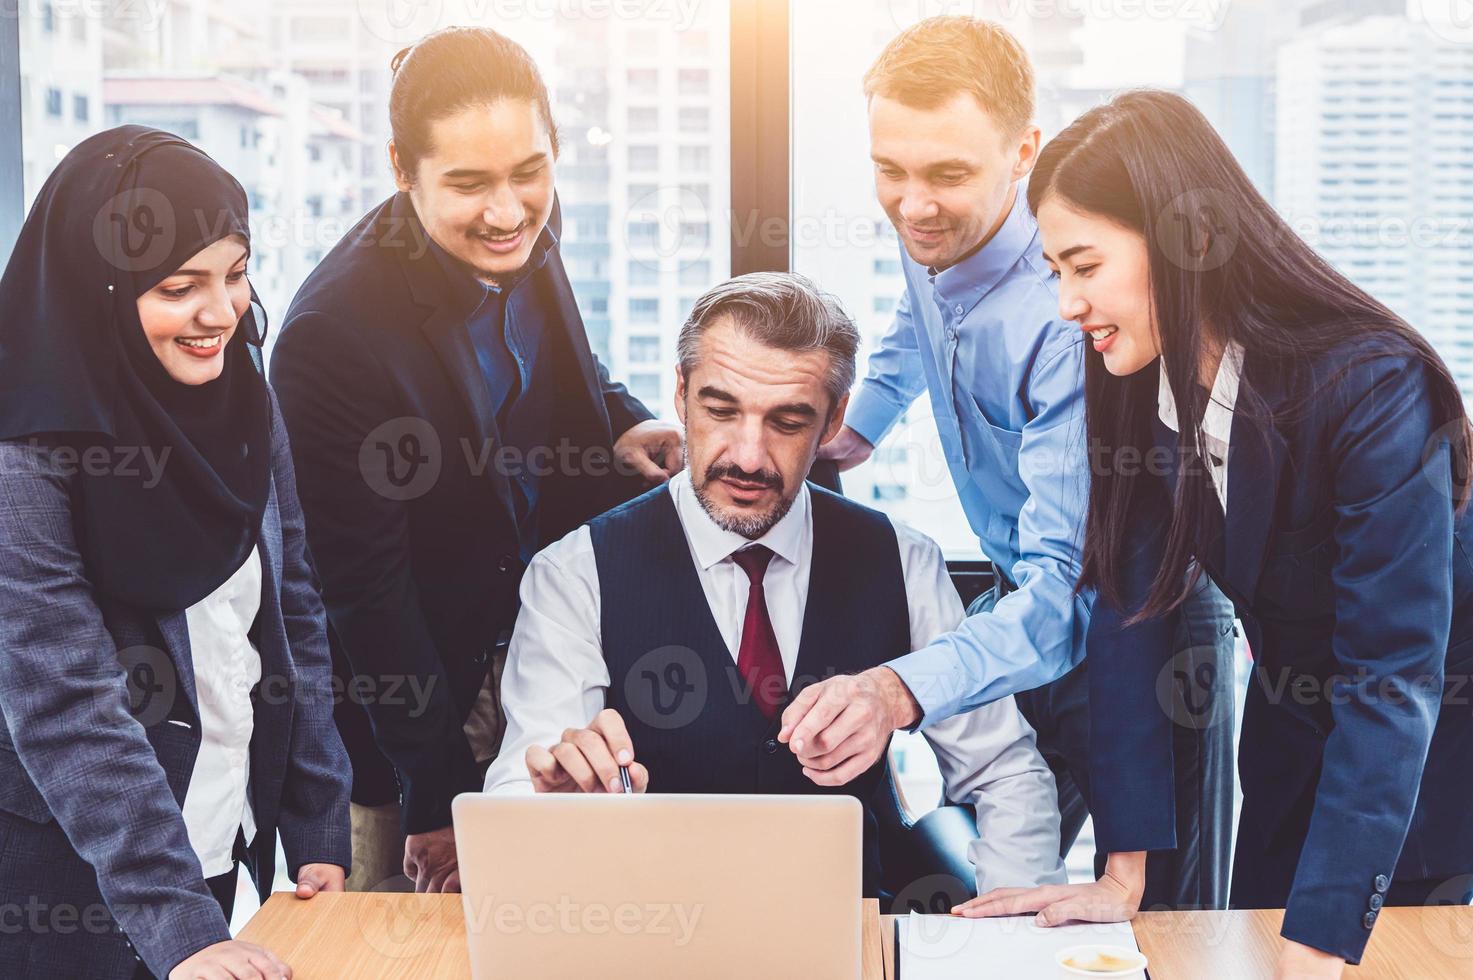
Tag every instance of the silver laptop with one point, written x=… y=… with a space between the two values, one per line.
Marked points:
x=645 y=886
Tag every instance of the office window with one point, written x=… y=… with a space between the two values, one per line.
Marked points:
x=644 y=233
x=694 y=119
x=644 y=81
x=696 y=273
x=695 y=158
x=81 y=108
x=644 y=350
x=643 y=273
x=644 y=309
x=645 y=387
x=695 y=233
x=644 y=119
x=693 y=81
x=53 y=103
x=644 y=158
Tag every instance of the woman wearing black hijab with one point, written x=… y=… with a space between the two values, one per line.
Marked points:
x=164 y=678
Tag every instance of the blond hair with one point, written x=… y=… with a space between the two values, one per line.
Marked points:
x=929 y=63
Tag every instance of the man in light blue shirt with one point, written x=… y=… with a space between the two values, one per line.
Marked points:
x=952 y=139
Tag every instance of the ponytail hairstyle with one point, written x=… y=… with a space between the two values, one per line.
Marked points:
x=451 y=70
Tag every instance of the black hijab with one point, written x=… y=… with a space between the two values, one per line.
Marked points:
x=122 y=212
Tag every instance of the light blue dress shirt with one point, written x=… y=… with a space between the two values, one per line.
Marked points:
x=1006 y=377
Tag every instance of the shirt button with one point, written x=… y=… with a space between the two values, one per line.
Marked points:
x=505 y=564
x=771 y=746
x=1369 y=919
x=958 y=309
x=1382 y=883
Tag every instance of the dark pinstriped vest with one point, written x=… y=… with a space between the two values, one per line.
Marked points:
x=693 y=721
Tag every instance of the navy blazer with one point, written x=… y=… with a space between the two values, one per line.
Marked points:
x=101 y=729
x=409 y=516
x=1350 y=571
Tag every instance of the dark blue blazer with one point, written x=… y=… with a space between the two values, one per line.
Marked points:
x=1350 y=571
x=95 y=758
x=409 y=513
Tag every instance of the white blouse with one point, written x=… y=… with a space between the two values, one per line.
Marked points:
x=226 y=669
x=1217 y=418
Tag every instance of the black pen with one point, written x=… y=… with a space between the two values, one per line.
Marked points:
x=624 y=778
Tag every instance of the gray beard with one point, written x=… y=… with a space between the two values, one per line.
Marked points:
x=749 y=526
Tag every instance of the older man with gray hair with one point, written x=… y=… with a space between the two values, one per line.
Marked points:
x=668 y=634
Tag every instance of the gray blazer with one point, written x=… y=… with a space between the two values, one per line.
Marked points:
x=101 y=728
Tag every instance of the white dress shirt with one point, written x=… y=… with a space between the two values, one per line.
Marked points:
x=556 y=676
x=1217 y=419
x=226 y=668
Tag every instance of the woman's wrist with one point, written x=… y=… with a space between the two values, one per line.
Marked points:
x=1127 y=869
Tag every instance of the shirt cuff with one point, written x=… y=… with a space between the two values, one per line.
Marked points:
x=871 y=413
x=934 y=678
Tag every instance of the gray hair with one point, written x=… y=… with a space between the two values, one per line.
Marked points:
x=782 y=310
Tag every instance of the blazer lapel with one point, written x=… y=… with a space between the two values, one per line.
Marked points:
x=1256 y=456
x=174 y=629
x=446 y=332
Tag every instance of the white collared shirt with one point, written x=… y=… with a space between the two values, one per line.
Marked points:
x=556 y=676
x=1217 y=419
x=226 y=668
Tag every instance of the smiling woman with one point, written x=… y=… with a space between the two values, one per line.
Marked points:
x=153 y=581
x=190 y=317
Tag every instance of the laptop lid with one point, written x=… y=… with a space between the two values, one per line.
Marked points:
x=661 y=885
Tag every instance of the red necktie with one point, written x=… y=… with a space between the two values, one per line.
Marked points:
x=758 y=660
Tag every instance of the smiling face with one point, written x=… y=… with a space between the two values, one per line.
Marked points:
x=484 y=190
x=754 y=418
x=1104 y=283
x=190 y=316
x=945 y=175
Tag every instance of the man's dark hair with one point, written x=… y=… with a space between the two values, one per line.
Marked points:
x=451 y=70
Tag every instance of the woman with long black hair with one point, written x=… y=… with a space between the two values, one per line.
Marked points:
x=164 y=679
x=1254 y=414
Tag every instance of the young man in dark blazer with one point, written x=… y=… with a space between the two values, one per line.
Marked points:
x=448 y=419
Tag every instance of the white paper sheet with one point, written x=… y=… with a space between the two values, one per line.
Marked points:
x=944 y=947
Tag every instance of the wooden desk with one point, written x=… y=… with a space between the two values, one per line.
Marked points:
x=1409 y=944
x=404 y=937
x=422 y=937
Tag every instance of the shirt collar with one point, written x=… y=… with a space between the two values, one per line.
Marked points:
x=712 y=543
x=468 y=292
x=1217 y=420
x=965 y=283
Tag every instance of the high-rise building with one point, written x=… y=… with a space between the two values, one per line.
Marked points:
x=643 y=112
x=1230 y=68
x=344 y=60
x=61 y=86
x=1374 y=155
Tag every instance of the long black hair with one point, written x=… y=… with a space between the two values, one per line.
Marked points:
x=1219 y=255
